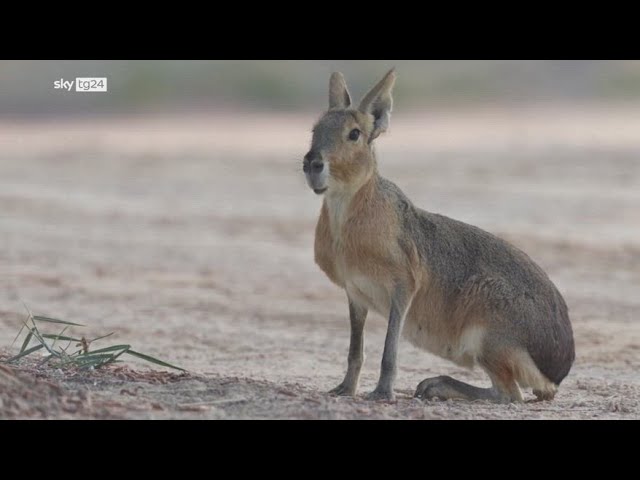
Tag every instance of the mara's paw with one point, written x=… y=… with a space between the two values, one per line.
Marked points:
x=447 y=388
x=343 y=390
x=436 y=387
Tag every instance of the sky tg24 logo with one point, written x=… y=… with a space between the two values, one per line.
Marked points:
x=82 y=84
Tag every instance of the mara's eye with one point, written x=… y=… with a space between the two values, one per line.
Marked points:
x=354 y=134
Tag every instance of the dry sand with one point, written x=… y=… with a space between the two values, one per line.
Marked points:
x=191 y=238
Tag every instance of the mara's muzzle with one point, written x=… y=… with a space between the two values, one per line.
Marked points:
x=316 y=172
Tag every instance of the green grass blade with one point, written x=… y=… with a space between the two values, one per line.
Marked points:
x=101 y=337
x=55 y=340
x=115 y=357
x=95 y=361
x=64 y=350
x=89 y=357
x=55 y=320
x=43 y=342
x=59 y=337
x=113 y=348
x=29 y=351
x=153 y=360
x=63 y=353
x=18 y=335
x=92 y=359
x=108 y=358
x=96 y=358
x=24 y=325
x=25 y=344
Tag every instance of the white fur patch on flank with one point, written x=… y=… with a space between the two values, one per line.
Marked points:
x=469 y=346
x=376 y=297
x=463 y=351
x=471 y=340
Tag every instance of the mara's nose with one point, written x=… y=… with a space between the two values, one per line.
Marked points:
x=313 y=162
x=317 y=166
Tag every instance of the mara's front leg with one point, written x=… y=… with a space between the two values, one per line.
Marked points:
x=400 y=301
x=357 y=317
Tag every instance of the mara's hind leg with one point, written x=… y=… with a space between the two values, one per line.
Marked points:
x=510 y=368
x=445 y=388
x=500 y=368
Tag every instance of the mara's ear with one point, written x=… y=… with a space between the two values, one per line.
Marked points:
x=379 y=102
x=338 y=94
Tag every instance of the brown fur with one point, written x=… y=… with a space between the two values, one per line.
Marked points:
x=459 y=292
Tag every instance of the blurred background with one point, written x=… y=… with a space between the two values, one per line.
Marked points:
x=173 y=210
x=289 y=85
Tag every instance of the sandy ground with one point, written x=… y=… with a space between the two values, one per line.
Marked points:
x=191 y=238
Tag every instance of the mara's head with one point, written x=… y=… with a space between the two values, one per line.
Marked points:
x=341 y=155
